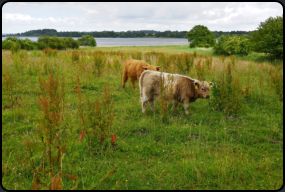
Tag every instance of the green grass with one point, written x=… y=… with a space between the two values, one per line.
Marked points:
x=159 y=48
x=261 y=57
x=206 y=150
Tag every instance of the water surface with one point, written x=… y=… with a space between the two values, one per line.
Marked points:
x=129 y=41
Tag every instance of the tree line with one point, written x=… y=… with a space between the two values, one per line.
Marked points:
x=122 y=34
x=267 y=38
x=54 y=42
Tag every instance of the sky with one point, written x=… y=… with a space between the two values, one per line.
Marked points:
x=19 y=17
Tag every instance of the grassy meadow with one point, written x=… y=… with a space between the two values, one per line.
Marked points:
x=68 y=124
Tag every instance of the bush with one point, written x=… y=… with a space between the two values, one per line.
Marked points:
x=41 y=45
x=231 y=44
x=7 y=44
x=57 y=43
x=192 y=45
x=74 y=44
x=27 y=44
x=87 y=40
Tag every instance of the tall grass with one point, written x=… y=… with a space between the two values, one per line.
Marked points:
x=276 y=76
x=236 y=146
x=227 y=92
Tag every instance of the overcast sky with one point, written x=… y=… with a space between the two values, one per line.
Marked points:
x=18 y=17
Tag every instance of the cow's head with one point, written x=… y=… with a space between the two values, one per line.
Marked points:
x=203 y=89
x=152 y=68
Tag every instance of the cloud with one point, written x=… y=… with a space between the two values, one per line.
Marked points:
x=10 y=17
x=123 y=16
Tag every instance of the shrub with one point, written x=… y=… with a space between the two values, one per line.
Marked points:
x=231 y=44
x=41 y=45
x=192 y=45
x=57 y=43
x=7 y=44
x=74 y=44
x=87 y=40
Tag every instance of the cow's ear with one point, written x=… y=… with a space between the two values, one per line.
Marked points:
x=197 y=85
x=144 y=68
x=211 y=84
x=157 y=68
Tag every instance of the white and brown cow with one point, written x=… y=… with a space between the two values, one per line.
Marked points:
x=180 y=89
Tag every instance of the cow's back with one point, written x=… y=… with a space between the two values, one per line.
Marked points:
x=134 y=67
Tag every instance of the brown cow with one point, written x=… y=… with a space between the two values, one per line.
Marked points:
x=134 y=68
x=180 y=89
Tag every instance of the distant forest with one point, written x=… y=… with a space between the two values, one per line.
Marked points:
x=122 y=34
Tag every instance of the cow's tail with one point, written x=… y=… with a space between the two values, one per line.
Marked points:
x=141 y=82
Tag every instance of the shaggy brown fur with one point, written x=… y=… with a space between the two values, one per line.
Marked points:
x=183 y=89
x=134 y=68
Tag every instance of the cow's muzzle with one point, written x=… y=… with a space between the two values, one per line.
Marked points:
x=208 y=96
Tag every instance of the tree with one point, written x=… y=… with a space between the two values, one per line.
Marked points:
x=268 y=38
x=87 y=40
x=200 y=34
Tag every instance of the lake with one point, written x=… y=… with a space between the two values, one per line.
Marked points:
x=129 y=41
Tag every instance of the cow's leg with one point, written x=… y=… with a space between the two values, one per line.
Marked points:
x=125 y=78
x=133 y=82
x=186 y=105
x=144 y=105
x=151 y=104
x=174 y=104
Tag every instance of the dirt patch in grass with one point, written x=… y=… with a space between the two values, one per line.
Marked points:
x=231 y=117
x=141 y=132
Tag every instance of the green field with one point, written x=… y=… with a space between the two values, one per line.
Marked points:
x=209 y=149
